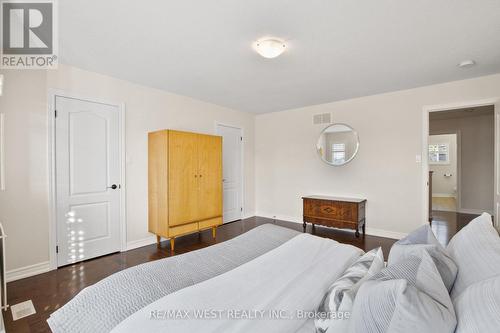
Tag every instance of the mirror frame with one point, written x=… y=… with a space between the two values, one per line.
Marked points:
x=355 y=151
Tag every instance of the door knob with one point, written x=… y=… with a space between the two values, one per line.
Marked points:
x=113 y=187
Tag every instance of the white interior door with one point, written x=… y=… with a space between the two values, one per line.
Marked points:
x=497 y=166
x=87 y=179
x=232 y=177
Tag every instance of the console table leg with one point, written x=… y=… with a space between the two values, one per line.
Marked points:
x=357 y=233
x=304 y=225
x=364 y=229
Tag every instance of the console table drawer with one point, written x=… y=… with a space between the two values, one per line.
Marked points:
x=330 y=209
x=335 y=212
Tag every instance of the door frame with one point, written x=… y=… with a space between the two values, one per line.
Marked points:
x=242 y=170
x=51 y=142
x=425 y=142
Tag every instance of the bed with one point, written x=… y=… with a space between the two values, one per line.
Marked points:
x=102 y=306
x=272 y=293
x=248 y=259
x=271 y=279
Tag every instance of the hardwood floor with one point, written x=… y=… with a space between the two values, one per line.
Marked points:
x=446 y=224
x=50 y=291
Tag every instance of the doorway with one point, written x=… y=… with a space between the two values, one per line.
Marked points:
x=443 y=163
x=87 y=180
x=232 y=171
x=460 y=150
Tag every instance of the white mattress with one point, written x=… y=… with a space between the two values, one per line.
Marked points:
x=293 y=277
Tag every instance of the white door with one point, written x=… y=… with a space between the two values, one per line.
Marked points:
x=497 y=166
x=232 y=178
x=87 y=179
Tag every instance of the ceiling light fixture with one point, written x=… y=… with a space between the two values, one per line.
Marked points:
x=270 y=47
x=466 y=63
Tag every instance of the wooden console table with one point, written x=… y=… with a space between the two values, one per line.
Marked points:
x=337 y=212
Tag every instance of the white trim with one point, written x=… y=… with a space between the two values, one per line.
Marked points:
x=52 y=94
x=369 y=231
x=474 y=211
x=248 y=215
x=385 y=233
x=426 y=110
x=140 y=243
x=2 y=151
x=496 y=199
x=27 y=271
x=242 y=162
x=123 y=178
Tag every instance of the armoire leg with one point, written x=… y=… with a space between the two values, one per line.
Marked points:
x=158 y=239
x=172 y=244
x=214 y=232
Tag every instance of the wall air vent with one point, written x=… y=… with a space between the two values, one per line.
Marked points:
x=324 y=118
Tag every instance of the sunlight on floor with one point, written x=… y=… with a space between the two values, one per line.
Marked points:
x=444 y=204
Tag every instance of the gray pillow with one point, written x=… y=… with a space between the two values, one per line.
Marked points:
x=476 y=251
x=338 y=299
x=478 y=307
x=408 y=296
x=423 y=239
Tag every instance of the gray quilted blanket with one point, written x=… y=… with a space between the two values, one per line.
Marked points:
x=102 y=306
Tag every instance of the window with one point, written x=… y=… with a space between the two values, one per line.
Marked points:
x=338 y=152
x=439 y=153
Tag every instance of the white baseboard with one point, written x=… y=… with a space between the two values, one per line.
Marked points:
x=369 y=231
x=443 y=195
x=280 y=217
x=385 y=233
x=474 y=211
x=27 y=271
x=248 y=215
x=140 y=243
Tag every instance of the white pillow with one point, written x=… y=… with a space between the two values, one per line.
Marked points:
x=478 y=307
x=337 y=303
x=423 y=239
x=408 y=297
x=476 y=251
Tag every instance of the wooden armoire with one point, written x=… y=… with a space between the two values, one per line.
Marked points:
x=185 y=183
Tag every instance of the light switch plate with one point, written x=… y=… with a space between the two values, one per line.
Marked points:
x=418 y=158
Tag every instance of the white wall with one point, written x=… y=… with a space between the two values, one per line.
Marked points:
x=442 y=185
x=385 y=170
x=286 y=165
x=476 y=159
x=24 y=205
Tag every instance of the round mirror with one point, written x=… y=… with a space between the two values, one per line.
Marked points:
x=338 y=144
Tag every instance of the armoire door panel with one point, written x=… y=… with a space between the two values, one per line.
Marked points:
x=210 y=176
x=183 y=177
x=158 y=182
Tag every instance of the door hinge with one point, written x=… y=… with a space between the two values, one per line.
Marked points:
x=241 y=138
x=57 y=249
x=55 y=113
x=241 y=209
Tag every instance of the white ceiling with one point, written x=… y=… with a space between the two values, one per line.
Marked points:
x=338 y=49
